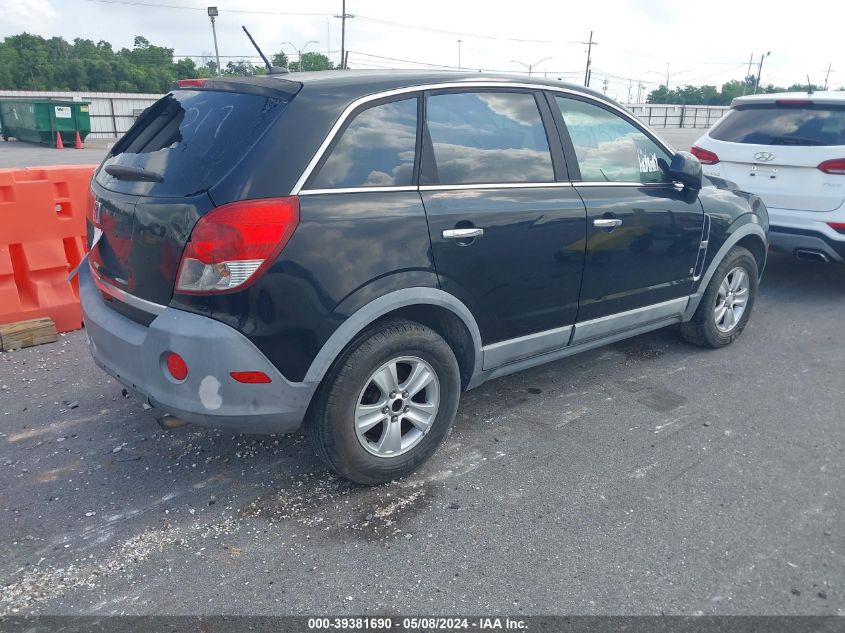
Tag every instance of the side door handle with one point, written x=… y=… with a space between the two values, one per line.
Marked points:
x=462 y=234
x=607 y=223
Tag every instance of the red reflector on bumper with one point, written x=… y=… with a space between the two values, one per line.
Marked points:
x=250 y=377
x=177 y=366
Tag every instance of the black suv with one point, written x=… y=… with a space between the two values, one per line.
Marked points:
x=352 y=250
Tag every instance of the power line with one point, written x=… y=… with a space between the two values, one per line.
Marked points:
x=159 y=5
x=479 y=36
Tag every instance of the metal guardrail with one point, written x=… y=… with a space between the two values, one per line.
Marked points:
x=677 y=116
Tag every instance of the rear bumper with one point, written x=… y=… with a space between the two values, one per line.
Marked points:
x=790 y=231
x=133 y=354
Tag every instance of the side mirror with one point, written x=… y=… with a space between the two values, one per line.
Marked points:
x=686 y=169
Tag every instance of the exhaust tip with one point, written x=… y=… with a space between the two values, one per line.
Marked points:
x=811 y=256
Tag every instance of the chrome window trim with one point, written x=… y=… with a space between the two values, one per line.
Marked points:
x=347 y=112
x=497 y=185
x=625 y=183
x=315 y=192
x=121 y=295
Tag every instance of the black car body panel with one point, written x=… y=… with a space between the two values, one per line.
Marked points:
x=346 y=245
x=646 y=260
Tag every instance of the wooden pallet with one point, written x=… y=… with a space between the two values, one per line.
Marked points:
x=27 y=333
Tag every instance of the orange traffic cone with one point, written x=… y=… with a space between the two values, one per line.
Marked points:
x=59 y=144
x=77 y=144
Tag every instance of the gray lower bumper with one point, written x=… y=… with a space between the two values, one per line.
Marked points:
x=788 y=241
x=134 y=355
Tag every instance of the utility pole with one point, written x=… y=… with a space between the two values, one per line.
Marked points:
x=630 y=85
x=589 y=58
x=343 y=17
x=604 y=86
x=827 y=76
x=640 y=87
x=459 y=53
x=213 y=13
x=747 y=74
x=760 y=72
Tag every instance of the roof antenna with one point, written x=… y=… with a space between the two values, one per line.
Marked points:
x=809 y=86
x=271 y=70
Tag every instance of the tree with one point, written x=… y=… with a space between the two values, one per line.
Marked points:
x=31 y=62
x=312 y=61
x=280 y=59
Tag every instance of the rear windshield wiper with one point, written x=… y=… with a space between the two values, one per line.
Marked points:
x=124 y=172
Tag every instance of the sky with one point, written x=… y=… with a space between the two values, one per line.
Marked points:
x=703 y=43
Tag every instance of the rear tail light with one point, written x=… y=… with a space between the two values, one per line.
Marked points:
x=192 y=83
x=89 y=207
x=834 y=166
x=705 y=156
x=839 y=227
x=232 y=244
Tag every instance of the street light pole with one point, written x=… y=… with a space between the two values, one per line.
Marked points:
x=760 y=72
x=299 y=51
x=668 y=75
x=530 y=67
x=459 y=53
x=213 y=13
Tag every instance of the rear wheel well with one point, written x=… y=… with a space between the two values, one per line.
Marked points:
x=756 y=247
x=448 y=325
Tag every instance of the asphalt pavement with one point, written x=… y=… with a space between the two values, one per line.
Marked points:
x=18 y=154
x=647 y=477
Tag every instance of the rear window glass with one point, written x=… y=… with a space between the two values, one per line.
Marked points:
x=190 y=139
x=783 y=125
x=376 y=150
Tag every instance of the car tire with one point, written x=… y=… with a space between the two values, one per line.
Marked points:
x=367 y=382
x=717 y=321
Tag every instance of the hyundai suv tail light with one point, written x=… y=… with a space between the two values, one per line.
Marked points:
x=232 y=244
x=705 y=156
x=833 y=166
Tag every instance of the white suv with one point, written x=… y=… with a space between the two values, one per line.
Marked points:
x=789 y=149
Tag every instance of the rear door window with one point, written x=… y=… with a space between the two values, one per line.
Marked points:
x=776 y=124
x=488 y=137
x=189 y=140
x=377 y=149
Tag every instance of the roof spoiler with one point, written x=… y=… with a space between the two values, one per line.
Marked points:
x=262 y=85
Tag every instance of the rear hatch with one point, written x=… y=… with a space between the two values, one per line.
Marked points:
x=152 y=188
x=774 y=150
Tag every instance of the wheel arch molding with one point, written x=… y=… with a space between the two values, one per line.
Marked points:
x=745 y=231
x=429 y=306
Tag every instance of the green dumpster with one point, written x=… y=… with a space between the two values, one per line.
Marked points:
x=38 y=120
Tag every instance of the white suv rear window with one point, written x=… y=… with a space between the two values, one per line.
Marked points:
x=775 y=124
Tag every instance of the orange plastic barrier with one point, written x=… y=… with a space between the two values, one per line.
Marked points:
x=42 y=238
